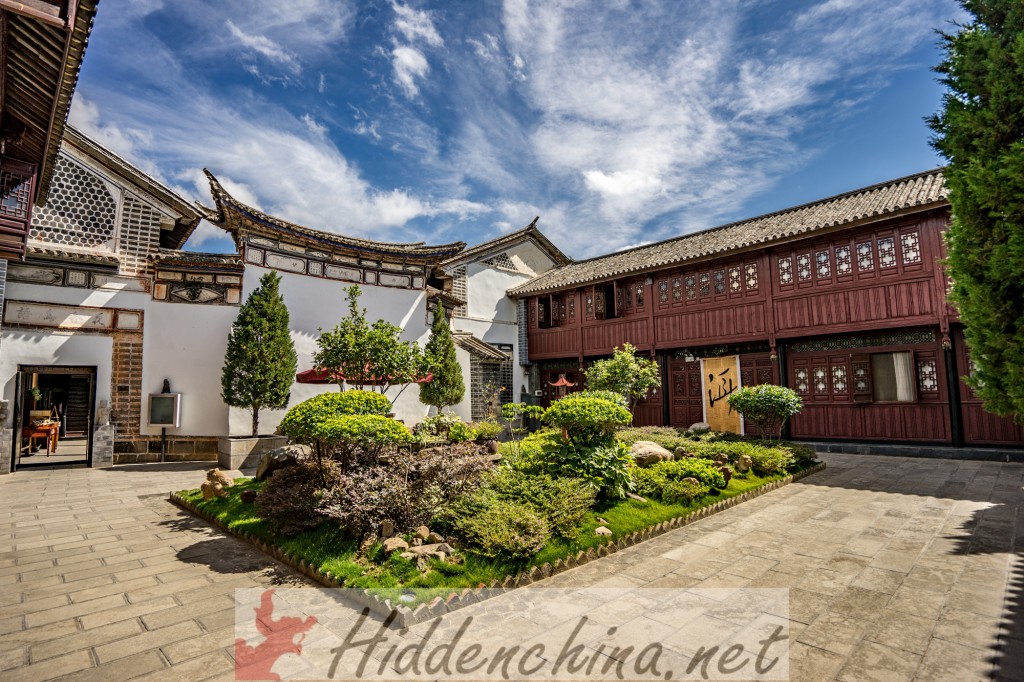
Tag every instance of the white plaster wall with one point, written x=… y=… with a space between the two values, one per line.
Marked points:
x=465 y=408
x=315 y=303
x=185 y=344
x=76 y=296
x=31 y=347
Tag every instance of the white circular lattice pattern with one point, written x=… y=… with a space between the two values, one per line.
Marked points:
x=79 y=211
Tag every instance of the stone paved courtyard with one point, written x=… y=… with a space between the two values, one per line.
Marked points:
x=898 y=569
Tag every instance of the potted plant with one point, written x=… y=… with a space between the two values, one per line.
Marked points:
x=259 y=368
x=487 y=433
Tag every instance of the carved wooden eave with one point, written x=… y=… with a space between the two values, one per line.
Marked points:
x=197 y=278
x=241 y=221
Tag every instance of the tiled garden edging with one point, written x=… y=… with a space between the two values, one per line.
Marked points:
x=405 y=616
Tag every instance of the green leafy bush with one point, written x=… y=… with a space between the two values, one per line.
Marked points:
x=666 y=437
x=768 y=457
x=487 y=430
x=803 y=455
x=587 y=421
x=445 y=425
x=533 y=446
x=616 y=398
x=625 y=373
x=504 y=529
x=312 y=421
x=664 y=483
x=767 y=461
x=766 y=406
x=703 y=470
x=563 y=501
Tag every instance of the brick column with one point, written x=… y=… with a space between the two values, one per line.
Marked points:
x=126 y=392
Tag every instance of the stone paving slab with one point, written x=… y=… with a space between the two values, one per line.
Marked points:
x=898 y=568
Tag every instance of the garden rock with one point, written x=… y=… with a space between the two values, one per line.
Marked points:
x=744 y=464
x=218 y=476
x=423 y=532
x=280 y=458
x=699 y=427
x=726 y=472
x=637 y=498
x=682 y=453
x=424 y=550
x=435 y=537
x=408 y=555
x=601 y=530
x=395 y=544
x=721 y=459
x=646 y=453
x=416 y=542
x=215 y=484
x=248 y=496
x=387 y=529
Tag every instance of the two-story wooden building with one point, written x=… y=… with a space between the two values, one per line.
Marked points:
x=843 y=300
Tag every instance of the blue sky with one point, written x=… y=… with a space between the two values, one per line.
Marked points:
x=617 y=122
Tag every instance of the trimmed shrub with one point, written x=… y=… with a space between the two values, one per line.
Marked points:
x=587 y=421
x=563 y=501
x=658 y=482
x=803 y=455
x=311 y=421
x=768 y=457
x=766 y=406
x=502 y=529
x=666 y=437
x=290 y=499
x=616 y=398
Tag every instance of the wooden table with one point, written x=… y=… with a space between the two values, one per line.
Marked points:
x=50 y=432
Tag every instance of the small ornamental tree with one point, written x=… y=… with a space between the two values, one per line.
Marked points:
x=980 y=130
x=626 y=374
x=259 y=365
x=447 y=387
x=766 y=406
x=368 y=355
x=587 y=421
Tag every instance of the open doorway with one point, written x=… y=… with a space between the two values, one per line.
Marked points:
x=54 y=416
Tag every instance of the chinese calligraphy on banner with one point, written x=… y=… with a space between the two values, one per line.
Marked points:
x=721 y=378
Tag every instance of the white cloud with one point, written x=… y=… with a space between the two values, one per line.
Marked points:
x=266 y=47
x=416 y=25
x=314 y=126
x=409 y=64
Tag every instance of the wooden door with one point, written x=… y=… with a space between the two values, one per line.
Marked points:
x=685 y=396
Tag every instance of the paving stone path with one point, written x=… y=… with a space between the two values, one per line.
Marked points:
x=898 y=569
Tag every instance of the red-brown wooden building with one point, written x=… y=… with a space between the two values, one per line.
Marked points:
x=842 y=299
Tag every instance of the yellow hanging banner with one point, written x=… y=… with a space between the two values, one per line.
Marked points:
x=721 y=378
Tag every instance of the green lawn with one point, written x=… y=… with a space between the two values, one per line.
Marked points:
x=328 y=549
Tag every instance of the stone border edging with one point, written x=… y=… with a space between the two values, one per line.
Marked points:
x=405 y=616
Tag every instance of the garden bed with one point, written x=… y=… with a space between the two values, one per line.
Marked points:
x=329 y=557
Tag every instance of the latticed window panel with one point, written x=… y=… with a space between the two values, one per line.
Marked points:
x=786 y=270
x=705 y=284
x=839 y=379
x=590 y=305
x=927 y=376
x=861 y=377
x=823 y=264
x=910 y=248
x=79 y=210
x=663 y=291
x=802 y=380
x=691 y=288
x=887 y=252
x=865 y=257
x=821 y=380
x=17 y=194
x=734 y=280
x=677 y=288
x=803 y=267
x=844 y=262
x=460 y=288
x=140 y=235
x=751 y=272
x=503 y=262
x=626 y=297
x=639 y=294
x=719 y=281
x=572 y=308
x=620 y=298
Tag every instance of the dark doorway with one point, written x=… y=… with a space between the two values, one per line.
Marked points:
x=54 y=416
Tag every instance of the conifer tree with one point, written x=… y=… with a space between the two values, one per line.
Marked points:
x=980 y=130
x=447 y=387
x=259 y=366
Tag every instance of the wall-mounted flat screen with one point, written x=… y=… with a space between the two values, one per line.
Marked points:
x=164 y=409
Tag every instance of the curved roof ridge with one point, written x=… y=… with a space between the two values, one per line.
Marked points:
x=226 y=204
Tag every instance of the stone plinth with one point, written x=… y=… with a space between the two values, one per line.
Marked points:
x=103 y=446
x=239 y=452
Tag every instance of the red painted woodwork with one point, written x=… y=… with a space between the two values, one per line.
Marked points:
x=686 y=406
x=17 y=189
x=601 y=338
x=980 y=427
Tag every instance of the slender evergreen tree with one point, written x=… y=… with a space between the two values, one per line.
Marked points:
x=259 y=366
x=980 y=130
x=447 y=387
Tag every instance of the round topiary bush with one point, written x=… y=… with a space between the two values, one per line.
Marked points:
x=587 y=420
x=766 y=406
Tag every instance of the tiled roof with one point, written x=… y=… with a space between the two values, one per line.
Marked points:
x=510 y=239
x=467 y=341
x=920 y=191
x=84 y=257
x=451 y=299
x=232 y=215
x=194 y=259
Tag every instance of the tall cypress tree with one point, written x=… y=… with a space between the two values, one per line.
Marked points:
x=259 y=366
x=447 y=387
x=980 y=130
